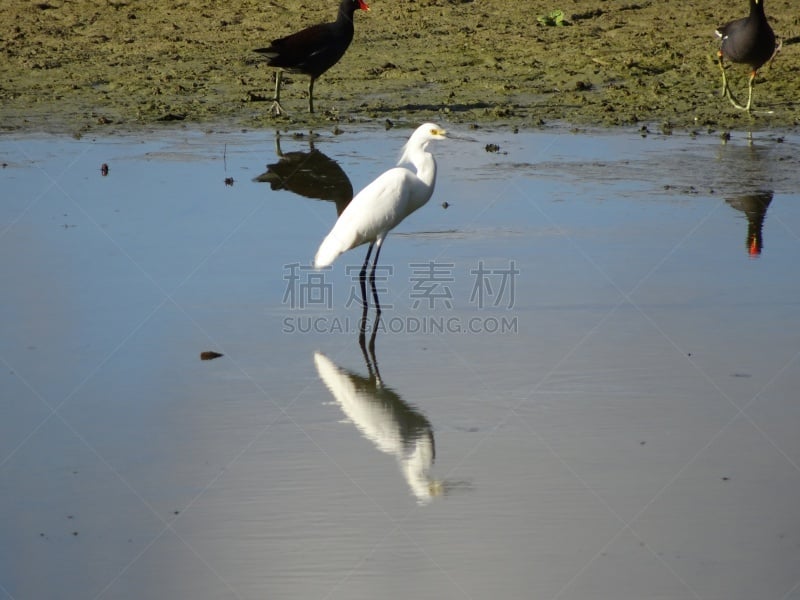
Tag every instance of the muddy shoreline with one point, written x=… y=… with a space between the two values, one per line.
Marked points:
x=118 y=65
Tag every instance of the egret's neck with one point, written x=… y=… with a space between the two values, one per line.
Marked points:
x=423 y=162
x=426 y=168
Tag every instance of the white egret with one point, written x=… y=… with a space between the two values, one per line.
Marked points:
x=384 y=203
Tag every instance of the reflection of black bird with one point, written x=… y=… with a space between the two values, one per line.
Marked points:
x=754 y=206
x=309 y=174
x=313 y=50
x=384 y=418
x=749 y=41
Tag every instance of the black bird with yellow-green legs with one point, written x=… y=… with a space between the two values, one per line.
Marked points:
x=749 y=41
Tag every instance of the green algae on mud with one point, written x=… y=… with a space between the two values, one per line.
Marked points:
x=92 y=65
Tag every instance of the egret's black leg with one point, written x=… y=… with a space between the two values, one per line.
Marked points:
x=369 y=351
x=372 y=280
x=362 y=277
x=375 y=326
x=362 y=334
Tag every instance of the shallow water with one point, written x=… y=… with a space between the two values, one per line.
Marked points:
x=586 y=381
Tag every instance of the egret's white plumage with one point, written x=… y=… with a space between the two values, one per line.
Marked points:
x=384 y=203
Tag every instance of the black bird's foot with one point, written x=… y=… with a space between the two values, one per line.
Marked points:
x=276 y=109
x=734 y=103
x=726 y=90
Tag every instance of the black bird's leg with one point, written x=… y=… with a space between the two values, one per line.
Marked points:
x=724 y=79
x=311 y=96
x=726 y=89
x=276 y=107
x=750 y=90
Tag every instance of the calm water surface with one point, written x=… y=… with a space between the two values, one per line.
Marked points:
x=583 y=384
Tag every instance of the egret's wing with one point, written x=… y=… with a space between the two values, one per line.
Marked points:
x=374 y=211
x=382 y=205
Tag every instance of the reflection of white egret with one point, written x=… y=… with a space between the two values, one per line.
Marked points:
x=384 y=203
x=387 y=421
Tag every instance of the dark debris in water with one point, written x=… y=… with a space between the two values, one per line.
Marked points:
x=209 y=355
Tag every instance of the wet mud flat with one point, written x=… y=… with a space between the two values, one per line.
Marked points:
x=106 y=66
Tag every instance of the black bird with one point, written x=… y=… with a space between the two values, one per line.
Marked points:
x=749 y=41
x=313 y=50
